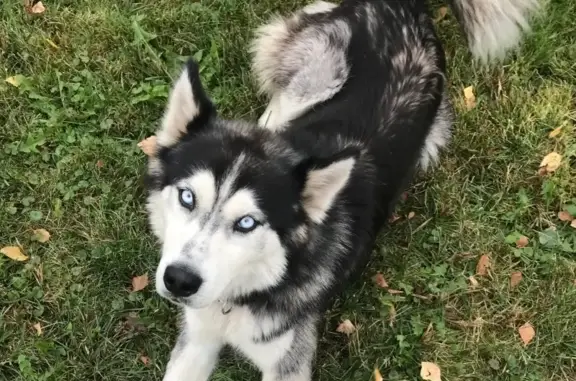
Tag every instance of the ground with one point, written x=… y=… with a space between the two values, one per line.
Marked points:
x=92 y=78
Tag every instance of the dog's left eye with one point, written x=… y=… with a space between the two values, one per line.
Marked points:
x=245 y=224
x=186 y=198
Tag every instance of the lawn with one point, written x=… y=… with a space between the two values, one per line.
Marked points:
x=89 y=80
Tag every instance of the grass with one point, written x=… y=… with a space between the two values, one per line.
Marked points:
x=94 y=77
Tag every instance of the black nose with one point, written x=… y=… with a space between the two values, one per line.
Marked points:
x=181 y=281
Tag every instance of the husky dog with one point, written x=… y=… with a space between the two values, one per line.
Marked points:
x=262 y=224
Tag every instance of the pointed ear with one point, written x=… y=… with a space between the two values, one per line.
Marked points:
x=323 y=180
x=189 y=108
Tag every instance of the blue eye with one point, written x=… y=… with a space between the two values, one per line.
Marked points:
x=186 y=198
x=245 y=224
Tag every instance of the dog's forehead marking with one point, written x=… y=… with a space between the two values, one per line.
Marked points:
x=241 y=203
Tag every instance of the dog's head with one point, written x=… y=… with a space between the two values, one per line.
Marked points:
x=228 y=199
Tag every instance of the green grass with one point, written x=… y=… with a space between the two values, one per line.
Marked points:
x=102 y=89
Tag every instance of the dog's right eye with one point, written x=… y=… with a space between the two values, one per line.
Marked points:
x=186 y=198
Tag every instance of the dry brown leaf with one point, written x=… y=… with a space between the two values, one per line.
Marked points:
x=14 y=253
x=38 y=329
x=551 y=162
x=527 y=333
x=515 y=278
x=573 y=223
x=36 y=9
x=139 y=282
x=346 y=327
x=411 y=215
x=469 y=97
x=377 y=375
x=99 y=164
x=145 y=360
x=483 y=265
x=380 y=280
x=430 y=371
x=40 y=235
x=564 y=216
x=473 y=281
x=522 y=242
x=555 y=132
x=394 y=292
x=148 y=145
x=440 y=14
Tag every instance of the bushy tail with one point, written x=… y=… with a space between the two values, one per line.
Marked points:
x=493 y=27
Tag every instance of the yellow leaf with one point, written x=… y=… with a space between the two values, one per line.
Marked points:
x=41 y=235
x=527 y=333
x=15 y=80
x=573 y=223
x=430 y=371
x=139 y=282
x=483 y=265
x=51 y=43
x=555 y=132
x=469 y=97
x=551 y=162
x=346 y=327
x=411 y=215
x=14 y=253
x=148 y=145
x=515 y=278
x=394 y=292
x=38 y=329
x=377 y=375
x=473 y=281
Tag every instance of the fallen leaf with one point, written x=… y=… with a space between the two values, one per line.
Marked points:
x=564 y=216
x=483 y=265
x=51 y=43
x=38 y=329
x=411 y=215
x=551 y=162
x=573 y=223
x=40 y=235
x=37 y=8
x=99 y=164
x=522 y=242
x=440 y=14
x=14 y=253
x=392 y=313
x=527 y=333
x=394 y=292
x=377 y=375
x=148 y=145
x=346 y=327
x=473 y=281
x=380 y=281
x=145 y=360
x=555 y=132
x=515 y=278
x=15 y=80
x=430 y=371
x=139 y=282
x=393 y=218
x=469 y=97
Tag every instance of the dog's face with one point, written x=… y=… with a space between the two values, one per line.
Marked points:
x=229 y=201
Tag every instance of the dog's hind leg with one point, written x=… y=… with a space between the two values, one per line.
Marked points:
x=439 y=134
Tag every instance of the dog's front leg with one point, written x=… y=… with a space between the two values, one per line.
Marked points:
x=194 y=356
x=295 y=363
